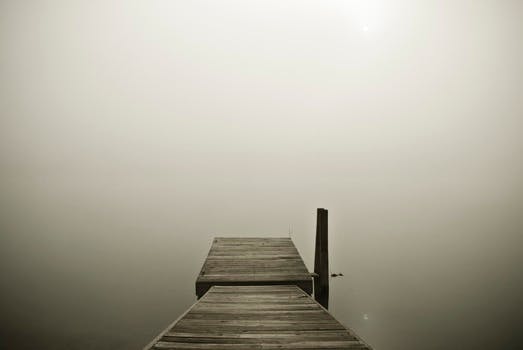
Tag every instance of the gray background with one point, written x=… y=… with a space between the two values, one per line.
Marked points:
x=131 y=133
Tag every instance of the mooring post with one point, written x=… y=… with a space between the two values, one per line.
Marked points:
x=321 y=259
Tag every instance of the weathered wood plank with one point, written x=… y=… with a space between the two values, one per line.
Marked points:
x=253 y=261
x=257 y=317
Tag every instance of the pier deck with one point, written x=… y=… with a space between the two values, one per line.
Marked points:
x=254 y=293
x=253 y=261
x=256 y=317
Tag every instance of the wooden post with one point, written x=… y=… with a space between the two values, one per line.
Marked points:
x=321 y=259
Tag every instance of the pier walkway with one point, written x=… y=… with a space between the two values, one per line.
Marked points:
x=253 y=261
x=254 y=293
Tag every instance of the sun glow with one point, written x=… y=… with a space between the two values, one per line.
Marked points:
x=366 y=16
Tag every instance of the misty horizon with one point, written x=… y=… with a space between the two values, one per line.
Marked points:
x=133 y=132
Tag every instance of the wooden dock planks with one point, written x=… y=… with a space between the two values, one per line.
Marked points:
x=256 y=317
x=253 y=261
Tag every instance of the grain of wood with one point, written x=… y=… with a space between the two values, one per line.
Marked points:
x=257 y=317
x=253 y=261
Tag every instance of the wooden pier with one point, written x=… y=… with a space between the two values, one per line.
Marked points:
x=254 y=293
x=253 y=261
x=256 y=317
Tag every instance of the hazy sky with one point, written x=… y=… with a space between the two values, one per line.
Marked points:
x=132 y=132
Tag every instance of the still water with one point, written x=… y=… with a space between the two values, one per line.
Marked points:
x=100 y=265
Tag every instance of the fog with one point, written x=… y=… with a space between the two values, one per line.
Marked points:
x=133 y=132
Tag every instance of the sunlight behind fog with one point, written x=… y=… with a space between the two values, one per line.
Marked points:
x=132 y=132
